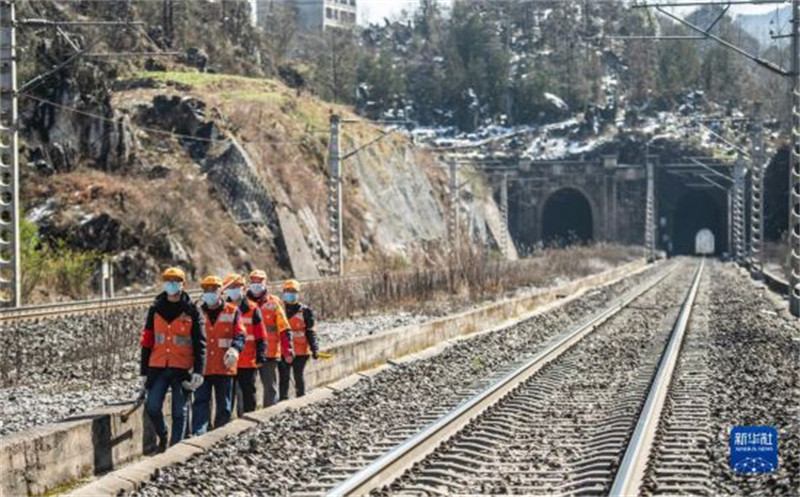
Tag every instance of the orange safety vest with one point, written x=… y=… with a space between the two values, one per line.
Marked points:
x=172 y=347
x=219 y=338
x=298 y=325
x=247 y=359
x=270 y=311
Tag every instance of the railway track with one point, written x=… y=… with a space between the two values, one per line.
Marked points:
x=545 y=425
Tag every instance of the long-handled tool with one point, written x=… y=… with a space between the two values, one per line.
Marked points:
x=136 y=405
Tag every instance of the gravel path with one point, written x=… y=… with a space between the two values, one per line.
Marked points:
x=340 y=331
x=328 y=434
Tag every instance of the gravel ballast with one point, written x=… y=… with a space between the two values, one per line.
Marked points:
x=754 y=361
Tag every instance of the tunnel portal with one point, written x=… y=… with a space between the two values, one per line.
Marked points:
x=567 y=218
x=695 y=211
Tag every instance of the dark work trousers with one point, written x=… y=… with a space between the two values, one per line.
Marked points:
x=269 y=378
x=222 y=386
x=159 y=382
x=296 y=370
x=246 y=386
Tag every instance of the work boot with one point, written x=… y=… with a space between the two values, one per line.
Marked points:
x=162 y=445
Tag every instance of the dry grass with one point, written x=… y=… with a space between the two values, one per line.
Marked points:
x=467 y=279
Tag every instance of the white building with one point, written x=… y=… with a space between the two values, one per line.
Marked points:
x=312 y=14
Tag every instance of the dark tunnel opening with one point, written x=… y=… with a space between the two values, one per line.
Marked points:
x=567 y=218
x=697 y=210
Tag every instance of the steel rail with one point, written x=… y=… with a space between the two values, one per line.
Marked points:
x=776 y=283
x=394 y=463
x=630 y=474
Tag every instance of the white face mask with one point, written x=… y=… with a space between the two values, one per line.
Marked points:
x=172 y=287
x=234 y=294
x=210 y=298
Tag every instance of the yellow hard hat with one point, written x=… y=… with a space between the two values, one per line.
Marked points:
x=258 y=274
x=291 y=286
x=233 y=280
x=211 y=281
x=173 y=273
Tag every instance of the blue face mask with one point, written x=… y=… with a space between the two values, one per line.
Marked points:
x=172 y=287
x=290 y=298
x=234 y=293
x=210 y=298
x=257 y=288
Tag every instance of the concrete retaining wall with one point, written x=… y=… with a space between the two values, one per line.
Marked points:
x=60 y=455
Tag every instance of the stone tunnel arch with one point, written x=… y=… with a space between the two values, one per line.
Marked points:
x=567 y=218
x=697 y=210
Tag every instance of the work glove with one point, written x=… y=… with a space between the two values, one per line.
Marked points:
x=261 y=359
x=231 y=357
x=143 y=381
x=314 y=355
x=194 y=383
x=288 y=358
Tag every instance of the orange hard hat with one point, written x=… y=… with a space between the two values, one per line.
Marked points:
x=233 y=280
x=291 y=286
x=258 y=274
x=210 y=282
x=173 y=273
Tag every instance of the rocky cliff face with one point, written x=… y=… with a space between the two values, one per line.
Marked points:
x=220 y=173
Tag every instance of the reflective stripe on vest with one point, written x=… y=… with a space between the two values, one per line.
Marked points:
x=220 y=337
x=250 y=338
x=247 y=320
x=172 y=346
x=298 y=325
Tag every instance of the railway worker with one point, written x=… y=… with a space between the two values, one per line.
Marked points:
x=304 y=337
x=226 y=337
x=279 y=344
x=255 y=344
x=173 y=355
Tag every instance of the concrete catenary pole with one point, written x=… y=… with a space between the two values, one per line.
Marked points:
x=504 y=214
x=650 y=220
x=335 y=198
x=758 y=165
x=794 y=178
x=10 y=263
x=452 y=218
x=739 y=220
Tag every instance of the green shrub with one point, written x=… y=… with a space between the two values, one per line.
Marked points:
x=54 y=266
